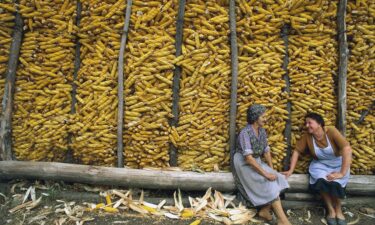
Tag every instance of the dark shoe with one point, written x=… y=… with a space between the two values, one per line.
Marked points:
x=331 y=221
x=340 y=221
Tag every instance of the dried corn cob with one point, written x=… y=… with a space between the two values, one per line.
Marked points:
x=6 y=30
x=100 y=28
x=360 y=84
x=260 y=79
x=42 y=97
x=150 y=52
x=202 y=134
x=313 y=64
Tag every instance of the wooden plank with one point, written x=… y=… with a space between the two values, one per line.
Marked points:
x=153 y=179
x=176 y=79
x=234 y=72
x=288 y=124
x=77 y=65
x=343 y=66
x=7 y=101
x=120 y=92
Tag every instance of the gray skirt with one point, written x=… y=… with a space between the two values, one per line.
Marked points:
x=259 y=190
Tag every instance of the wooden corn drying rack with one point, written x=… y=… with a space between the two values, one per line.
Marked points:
x=158 y=179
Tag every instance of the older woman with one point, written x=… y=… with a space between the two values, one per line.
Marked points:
x=329 y=169
x=255 y=179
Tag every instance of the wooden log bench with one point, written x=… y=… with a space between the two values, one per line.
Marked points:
x=154 y=179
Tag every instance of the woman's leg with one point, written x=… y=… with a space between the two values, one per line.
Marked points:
x=337 y=205
x=264 y=212
x=278 y=209
x=330 y=205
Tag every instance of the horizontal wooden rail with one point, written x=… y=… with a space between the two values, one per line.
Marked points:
x=153 y=179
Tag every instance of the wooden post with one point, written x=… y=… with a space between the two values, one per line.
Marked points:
x=288 y=125
x=120 y=92
x=343 y=66
x=77 y=65
x=234 y=71
x=176 y=79
x=7 y=101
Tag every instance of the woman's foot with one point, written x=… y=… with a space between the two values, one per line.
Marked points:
x=265 y=214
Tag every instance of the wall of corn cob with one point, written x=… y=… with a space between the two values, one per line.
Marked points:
x=95 y=124
x=41 y=121
x=361 y=83
x=6 y=29
x=260 y=78
x=313 y=52
x=42 y=97
x=202 y=134
x=148 y=65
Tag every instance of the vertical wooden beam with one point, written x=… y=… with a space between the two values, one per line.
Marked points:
x=234 y=72
x=7 y=101
x=120 y=92
x=343 y=66
x=288 y=125
x=176 y=79
x=77 y=65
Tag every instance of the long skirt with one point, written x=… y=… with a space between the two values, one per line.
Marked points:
x=259 y=190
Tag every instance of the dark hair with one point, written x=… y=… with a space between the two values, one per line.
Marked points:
x=315 y=116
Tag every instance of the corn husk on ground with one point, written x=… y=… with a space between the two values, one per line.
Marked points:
x=260 y=78
x=42 y=96
x=313 y=64
x=148 y=74
x=95 y=126
x=212 y=205
x=360 y=85
x=6 y=31
x=202 y=132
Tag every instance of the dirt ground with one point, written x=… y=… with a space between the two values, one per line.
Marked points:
x=50 y=210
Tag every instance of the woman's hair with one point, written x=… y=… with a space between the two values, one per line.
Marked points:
x=315 y=116
x=254 y=112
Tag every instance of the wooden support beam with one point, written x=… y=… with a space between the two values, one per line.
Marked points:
x=343 y=66
x=288 y=124
x=176 y=78
x=7 y=101
x=77 y=65
x=234 y=72
x=153 y=179
x=120 y=92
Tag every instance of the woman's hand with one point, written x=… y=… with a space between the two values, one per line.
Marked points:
x=270 y=176
x=287 y=173
x=334 y=176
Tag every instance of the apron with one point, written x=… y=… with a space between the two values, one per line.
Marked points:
x=327 y=162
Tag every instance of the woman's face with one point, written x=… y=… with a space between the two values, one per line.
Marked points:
x=311 y=125
x=261 y=120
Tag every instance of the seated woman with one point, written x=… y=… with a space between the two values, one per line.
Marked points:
x=329 y=169
x=255 y=179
